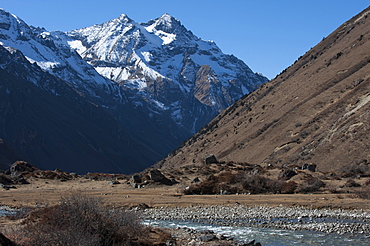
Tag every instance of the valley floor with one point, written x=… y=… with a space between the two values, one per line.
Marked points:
x=42 y=192
x=45 y=192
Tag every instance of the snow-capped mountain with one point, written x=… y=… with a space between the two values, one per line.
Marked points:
x=168 y=65
x=155 y=82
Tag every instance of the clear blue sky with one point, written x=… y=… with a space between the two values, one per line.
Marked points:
x=268 y=35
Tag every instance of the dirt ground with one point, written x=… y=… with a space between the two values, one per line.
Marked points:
x=42 y=192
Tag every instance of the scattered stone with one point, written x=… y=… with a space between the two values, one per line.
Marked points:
x=286 y=218
x=250 y=243
x=207 y=238
x=206 y=231
x=140 y=206
x=114 y=182
x=224 y=192
x=7 y=187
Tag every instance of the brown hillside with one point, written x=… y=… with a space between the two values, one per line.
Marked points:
x=316 y=111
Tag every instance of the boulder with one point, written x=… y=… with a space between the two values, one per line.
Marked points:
x=311 y=167
x=209 y=159
x=4 y=241
x=136 y=178
x=195 y=180
x=22 y=166
x=156 y=176
x=19 y=167
x=114 y=182
x=287 y=174
x=5 y=180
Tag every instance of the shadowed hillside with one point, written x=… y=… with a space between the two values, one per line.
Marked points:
x=7 y=156
x=315 y=111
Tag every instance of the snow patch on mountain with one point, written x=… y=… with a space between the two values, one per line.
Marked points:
x=77 y=45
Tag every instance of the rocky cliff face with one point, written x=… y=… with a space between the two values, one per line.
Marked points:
x=315 y=111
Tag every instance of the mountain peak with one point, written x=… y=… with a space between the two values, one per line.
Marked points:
x=166 y=23
x=123 y=18
x=168 y=18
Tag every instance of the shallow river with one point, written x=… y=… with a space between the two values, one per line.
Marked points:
x=6 y=211
x=268 y=236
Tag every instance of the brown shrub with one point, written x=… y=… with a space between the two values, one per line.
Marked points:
x=231 y=183
x=288 y=187
x=208 y=186
x=354 y=170
x=310 y=185
x=256 y=184
x=81 y=220
x=364 y=194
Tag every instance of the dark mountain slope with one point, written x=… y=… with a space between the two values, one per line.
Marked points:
x=59 y=131
x=7 y=156
x=316 y=111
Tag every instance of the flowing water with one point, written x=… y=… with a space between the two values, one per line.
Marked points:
x=6 y=211
x=269 y=236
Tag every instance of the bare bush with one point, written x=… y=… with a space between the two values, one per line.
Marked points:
x=288 y=187
x=310 y=185
x=81 y=220
x=207 y=186
x=240 y=182
x=256 y=184
x=354 y=170
x=364 y=194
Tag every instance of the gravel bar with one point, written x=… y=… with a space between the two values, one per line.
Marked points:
x=290 y=218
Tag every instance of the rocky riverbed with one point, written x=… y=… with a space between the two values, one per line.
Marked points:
x=328 y=220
